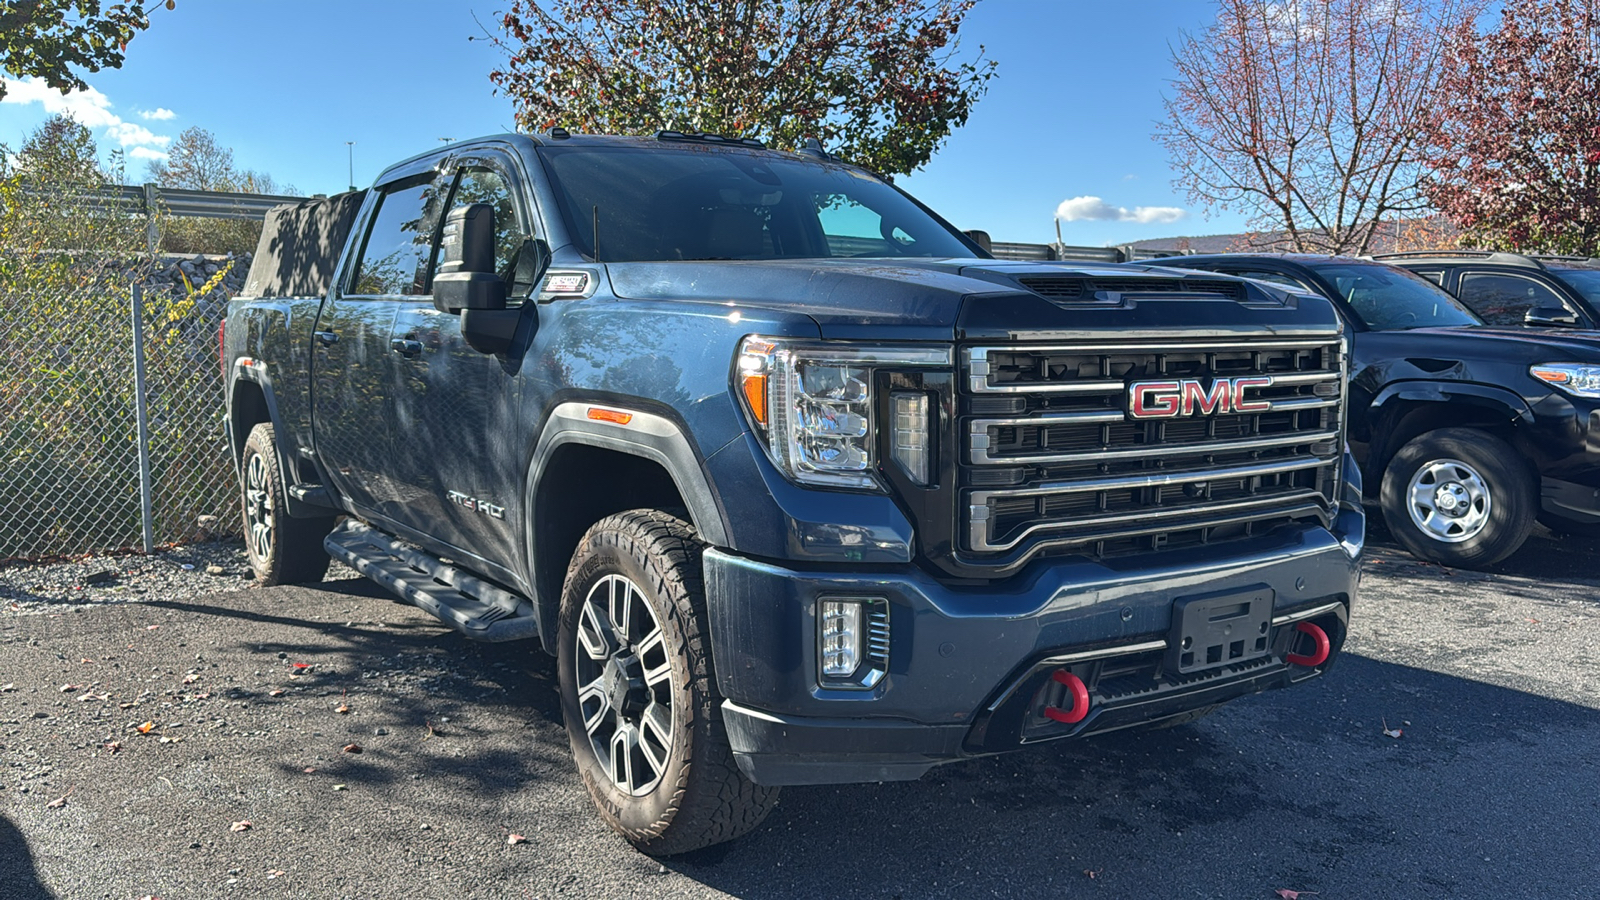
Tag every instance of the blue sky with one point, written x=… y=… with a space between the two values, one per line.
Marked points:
x=287 y=83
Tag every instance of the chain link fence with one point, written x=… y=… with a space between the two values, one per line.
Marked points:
x=72 y=453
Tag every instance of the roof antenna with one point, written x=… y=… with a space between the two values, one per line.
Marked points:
x=596 y=233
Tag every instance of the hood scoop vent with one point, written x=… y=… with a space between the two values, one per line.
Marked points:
x=1076 y=288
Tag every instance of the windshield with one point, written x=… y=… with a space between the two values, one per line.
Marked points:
x=687 y=202
x=1584 y=281
x=1386 y=298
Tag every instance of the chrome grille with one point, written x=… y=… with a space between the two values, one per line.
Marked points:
x=1053 y=459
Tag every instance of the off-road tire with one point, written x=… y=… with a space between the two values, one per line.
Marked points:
x=701 y=798
x=1512 y=490
x=291 y=551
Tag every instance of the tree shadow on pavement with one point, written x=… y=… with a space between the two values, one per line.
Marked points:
x=1298 y=788
x=18 y=879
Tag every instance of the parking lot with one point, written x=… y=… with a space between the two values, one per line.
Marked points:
x=1491 y=789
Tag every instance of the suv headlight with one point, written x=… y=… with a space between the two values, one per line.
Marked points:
x=813 y=405
x=1570 y=378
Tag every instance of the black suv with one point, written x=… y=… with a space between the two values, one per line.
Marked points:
x=1512 y=289
x=1467 y=430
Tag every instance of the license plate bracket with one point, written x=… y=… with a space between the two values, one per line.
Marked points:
x=1216 y=630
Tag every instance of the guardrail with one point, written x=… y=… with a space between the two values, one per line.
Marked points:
x=146 y=199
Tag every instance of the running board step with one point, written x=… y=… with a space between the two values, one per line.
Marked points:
x=466 y=603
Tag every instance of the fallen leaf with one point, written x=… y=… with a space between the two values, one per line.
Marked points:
x=352 y=748
x=339 y=787
x=145 y=728
x=191 y=678
x=70 y=688
x=1092 y=873
x=151 y=627
x=277 y=693
x=302 y=665
x=1391 y=732
x=309 y=770
x=275 y=873
x=240 y=826
x=8 y=687
x=57 y=803
x=516 y=839
x=342 y=709
x=1287 y=894
x=114 y=746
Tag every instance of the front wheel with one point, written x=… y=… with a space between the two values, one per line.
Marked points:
x=638 y=691
x=1460 y=497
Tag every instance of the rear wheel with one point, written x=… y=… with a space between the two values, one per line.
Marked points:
x=638 y=691
x=1460 y=497
x=281 y=548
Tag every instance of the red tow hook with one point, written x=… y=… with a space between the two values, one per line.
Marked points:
x=1080 y=698
x=1316 y=657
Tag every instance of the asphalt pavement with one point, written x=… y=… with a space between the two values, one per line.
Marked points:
x=195 y=748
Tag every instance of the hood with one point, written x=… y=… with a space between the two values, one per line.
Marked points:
x=928 y=300
x=1535 y=345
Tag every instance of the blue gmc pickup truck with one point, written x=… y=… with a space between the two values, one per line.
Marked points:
x=796 y=482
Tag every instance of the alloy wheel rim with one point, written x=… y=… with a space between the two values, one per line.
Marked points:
x=624 y=679
x=260 y=517
x=1449 y=501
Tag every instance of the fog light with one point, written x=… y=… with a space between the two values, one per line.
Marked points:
x=852 y=641
x=841 y=638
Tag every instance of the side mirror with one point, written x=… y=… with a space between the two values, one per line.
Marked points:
x=1550 y=317
x=466 y=278
x=981 y=238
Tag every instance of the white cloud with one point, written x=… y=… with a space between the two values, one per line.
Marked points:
x=159 y=114
x=92 y=109
x=1093 y=209
x=130 y=135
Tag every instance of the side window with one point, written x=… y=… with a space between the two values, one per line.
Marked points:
x=395 y=254
x=852 y=229
x=1505 y=299
x=1276 y=278
x=1434 y=275
x=480 y=184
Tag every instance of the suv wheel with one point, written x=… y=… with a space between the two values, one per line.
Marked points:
x=638 y=691
x=1460 y=497
x=281 y=549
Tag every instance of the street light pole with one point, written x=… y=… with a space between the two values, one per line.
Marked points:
x=352 y=146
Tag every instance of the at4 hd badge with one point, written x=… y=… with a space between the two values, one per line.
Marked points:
x=1190 y=397
x=476 y=505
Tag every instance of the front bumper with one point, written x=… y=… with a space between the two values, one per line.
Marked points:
x=968 y=664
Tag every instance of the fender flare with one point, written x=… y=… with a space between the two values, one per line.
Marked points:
x=1483 y=396
x=633 y=431
x=253 y=370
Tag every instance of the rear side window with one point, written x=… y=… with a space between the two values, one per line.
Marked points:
x=1272 y=278
x=1505 y=299
x=395 y=253
x=479 y=184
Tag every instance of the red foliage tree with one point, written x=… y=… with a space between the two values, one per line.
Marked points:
x=879 y=82
x=1304 y=114
x=1514 y=148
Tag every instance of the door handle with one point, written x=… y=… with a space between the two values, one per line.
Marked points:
x=405 y=348
x=328 y=338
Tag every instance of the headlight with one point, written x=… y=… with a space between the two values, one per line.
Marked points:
x=1570 y=378
x=813 y=404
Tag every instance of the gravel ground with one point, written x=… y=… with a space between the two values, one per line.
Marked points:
x=180 y=573
x=1492 y=790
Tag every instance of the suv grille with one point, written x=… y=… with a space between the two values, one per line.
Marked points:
x=1054 y=460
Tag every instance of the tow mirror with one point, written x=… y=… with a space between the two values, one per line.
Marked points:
x=981 y=238
x=466 y=278
x=1550 y=317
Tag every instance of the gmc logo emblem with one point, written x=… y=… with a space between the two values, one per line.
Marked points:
x=1188 y=397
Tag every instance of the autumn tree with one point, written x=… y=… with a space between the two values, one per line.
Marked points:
x=1305 y=115
x=60 y=151
x=1514 y=147
x=879 y=82
x=196 y=161
x=52 y=39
